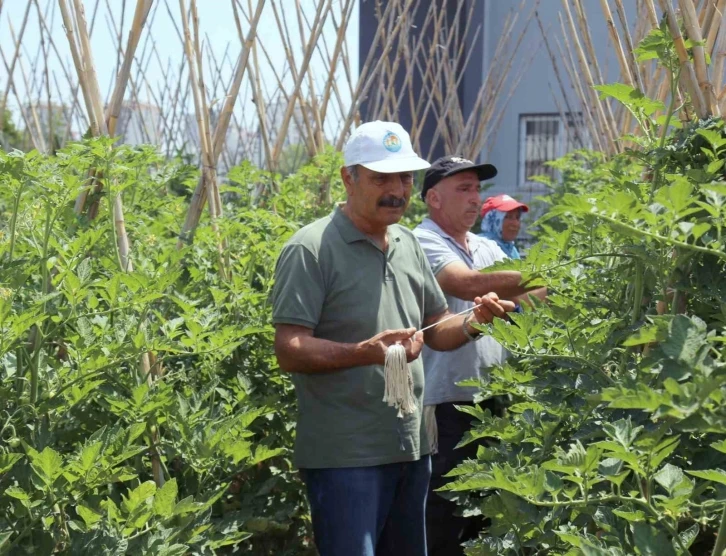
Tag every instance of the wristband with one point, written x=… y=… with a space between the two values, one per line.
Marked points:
x=469 y=337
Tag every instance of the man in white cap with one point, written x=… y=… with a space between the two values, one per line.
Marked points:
x=346 y=288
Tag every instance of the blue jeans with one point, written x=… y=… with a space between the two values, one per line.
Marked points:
x=370 y=511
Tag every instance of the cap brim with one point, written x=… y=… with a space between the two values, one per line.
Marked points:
x=394 y=165
x=505 y=207
x=483 y=171
x=511 y=205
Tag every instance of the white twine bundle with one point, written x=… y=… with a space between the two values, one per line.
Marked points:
x=398 y=390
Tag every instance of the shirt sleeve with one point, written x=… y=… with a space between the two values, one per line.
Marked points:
x=299 y=290
x=498 y=253
x=437 y=251
x=434 y=298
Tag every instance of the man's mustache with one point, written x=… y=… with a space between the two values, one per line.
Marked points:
x=393 y=202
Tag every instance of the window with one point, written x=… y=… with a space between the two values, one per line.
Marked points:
x=546 y=137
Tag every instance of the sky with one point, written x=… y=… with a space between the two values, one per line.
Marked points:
x=217 y=30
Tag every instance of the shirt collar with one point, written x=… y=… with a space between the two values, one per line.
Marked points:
x=428 y=224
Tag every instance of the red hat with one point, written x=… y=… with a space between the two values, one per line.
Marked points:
x=505 y=203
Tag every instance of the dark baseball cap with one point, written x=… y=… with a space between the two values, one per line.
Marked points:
x=450 y=165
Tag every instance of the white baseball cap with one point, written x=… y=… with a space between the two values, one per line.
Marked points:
x=382 y=147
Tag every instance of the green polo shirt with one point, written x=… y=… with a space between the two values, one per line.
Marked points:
x=332 y=278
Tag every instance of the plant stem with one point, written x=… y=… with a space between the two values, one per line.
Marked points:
x=14 y=220
x=38 y=344
x=638 y=288
x=720 y=545
x=663 y=239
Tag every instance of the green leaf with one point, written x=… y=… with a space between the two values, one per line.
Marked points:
x=632 y=98
x=631 y=516
x=713 y=137
x=646 y=335
x=165 y=499
x=715 y=166
x=139 y=496
x=553 y=483
x=263 y=452
x=669 y=477
x=8 y=460
x=649 y=541
x=689 y=535
x=89 y=516
x=686 y=340
x=720 y=446
x=715 y=475
x=622 y=431
x=48 y=464
x=89 y=456
x=19 y=494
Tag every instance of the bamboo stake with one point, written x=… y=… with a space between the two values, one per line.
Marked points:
x=23 y=115
x=617 y=45
x=347 y=10
x=711 y=26
x=634 y=69
x=575 y=78
x=11 y=67
x=366 y=77
x=594 y=98
x=690 y=19
x=435 y=77
x=558 y=77
x=717 y=63
x=46 y=75
x=197 y=203
x=37 y=137
x=318 y=21
x=688 y=75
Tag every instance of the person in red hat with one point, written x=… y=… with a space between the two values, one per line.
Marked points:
x=501 y=220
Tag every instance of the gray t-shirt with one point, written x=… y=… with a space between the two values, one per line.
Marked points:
x=444 y=369
x=333 y=279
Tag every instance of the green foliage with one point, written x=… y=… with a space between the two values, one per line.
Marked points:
x=614 y=438
x=10 y=137
x=79 y=421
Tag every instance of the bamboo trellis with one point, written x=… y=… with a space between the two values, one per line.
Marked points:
x=700 y=90
x=295 y=84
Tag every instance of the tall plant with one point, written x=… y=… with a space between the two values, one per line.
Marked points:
x=614 y=438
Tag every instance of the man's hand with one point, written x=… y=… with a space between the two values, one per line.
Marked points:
x=376 y=347
x=491 y=307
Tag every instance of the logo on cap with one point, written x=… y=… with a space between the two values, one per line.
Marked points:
x=460 y=160
x=392 y=142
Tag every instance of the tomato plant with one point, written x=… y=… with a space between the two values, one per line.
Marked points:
x=80 y=423
x=614 y=439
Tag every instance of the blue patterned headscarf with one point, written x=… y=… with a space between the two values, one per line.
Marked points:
x=491 y=227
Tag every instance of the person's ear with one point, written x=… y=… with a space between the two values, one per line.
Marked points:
x=347 y=180
x=433 y=199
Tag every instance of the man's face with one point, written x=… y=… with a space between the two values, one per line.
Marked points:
x=511 y=224
x=381 y=199
x=457 y=199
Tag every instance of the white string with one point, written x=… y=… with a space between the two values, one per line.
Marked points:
x=451 y=317
x=398 y=390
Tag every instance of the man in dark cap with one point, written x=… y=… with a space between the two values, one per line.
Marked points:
x=451 y=191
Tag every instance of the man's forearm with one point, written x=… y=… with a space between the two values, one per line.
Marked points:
x=505 y=283
x=448 y=335
x=310 y=355
x=540 y=293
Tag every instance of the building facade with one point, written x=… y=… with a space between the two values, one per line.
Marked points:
x=532 y=130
